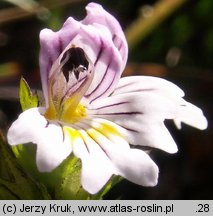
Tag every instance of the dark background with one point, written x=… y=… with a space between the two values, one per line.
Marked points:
x=186 y=34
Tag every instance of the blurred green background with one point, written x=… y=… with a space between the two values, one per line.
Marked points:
x=169 y=39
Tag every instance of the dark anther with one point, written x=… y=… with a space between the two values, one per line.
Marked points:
x=75 y=62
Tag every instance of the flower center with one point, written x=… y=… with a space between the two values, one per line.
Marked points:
x=69 y=115
x=70 y=77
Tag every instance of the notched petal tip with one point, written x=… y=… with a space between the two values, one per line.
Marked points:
x=47 y=37
x=191 y=115
x=171 y=149
x=152 y=178
x=133 y=164
x=93 y=5
x=11 y=136
x=94 y=182
x=22 y=130
x=46 y=167
x=45 y=33
x=149 y=170
x=203 y=123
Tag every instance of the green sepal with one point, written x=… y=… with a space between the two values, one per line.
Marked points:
x=64 y=182
x=28 y=99
x=69 y=187
x=52 y=180
x=15 y=183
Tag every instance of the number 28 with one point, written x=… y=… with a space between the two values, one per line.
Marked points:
x=203 y=208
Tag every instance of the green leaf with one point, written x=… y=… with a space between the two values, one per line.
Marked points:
x=15 y=183
x=27 y=98
x=63 y=182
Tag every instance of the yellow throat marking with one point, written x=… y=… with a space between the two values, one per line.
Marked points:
x=69 y=112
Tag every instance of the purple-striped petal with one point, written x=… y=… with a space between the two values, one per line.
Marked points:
x=132 y=164
x=107 y=63
x=96 y=166
x=147 y=84
x=187 y=112
x=142 y=111
x=52 y=44
x=140 y=116
x=101 y=38
x=96 y=14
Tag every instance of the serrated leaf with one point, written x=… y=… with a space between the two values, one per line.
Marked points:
x=27 y=98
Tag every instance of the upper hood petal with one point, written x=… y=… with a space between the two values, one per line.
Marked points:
x=96 y=14
x=52 y=45
x=107 y=48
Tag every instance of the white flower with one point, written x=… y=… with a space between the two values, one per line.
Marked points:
x=91 y=112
